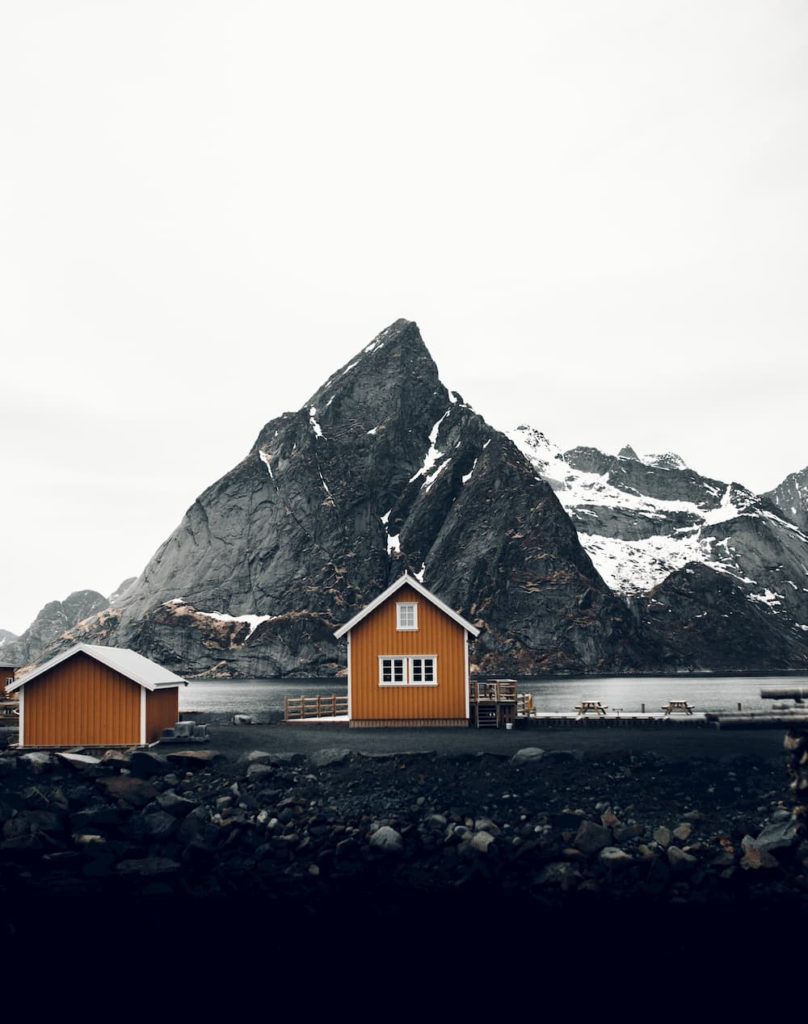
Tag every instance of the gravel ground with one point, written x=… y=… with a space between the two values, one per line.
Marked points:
x=426 y=848
x=679 y=741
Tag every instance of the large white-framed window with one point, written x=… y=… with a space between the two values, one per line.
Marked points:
x=407 y=615
x=411 y=670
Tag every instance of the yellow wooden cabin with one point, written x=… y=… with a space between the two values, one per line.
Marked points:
x=93 y=696
x=408 y=660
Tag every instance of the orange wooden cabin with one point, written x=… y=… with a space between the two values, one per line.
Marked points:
x=95 y=697
x=408 y=660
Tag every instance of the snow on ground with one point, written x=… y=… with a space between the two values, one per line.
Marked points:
x=635 y=566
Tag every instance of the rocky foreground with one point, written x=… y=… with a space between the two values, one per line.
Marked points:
x=338 y=840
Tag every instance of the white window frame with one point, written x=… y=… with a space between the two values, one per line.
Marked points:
x=400 y=605
x=408 y=660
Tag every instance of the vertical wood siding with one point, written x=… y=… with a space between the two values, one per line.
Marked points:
x=377 y=636
x=81 y=703
x=162 y=711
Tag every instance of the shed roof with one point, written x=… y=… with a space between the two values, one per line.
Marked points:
x=134 y=666
x=411 y=581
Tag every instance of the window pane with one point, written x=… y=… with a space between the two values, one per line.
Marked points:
x=398 y=664
x=417 y=670
x=387 y=670
x=407 y=616
x=429 y=670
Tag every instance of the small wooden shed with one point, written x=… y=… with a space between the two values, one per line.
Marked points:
x=408 y=660
x=96 y=696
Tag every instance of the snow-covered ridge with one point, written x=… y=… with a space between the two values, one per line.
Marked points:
x=636 y=540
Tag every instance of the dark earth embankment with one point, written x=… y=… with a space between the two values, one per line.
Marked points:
x=304 y=848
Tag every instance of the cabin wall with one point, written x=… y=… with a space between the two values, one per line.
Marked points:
x=162 y=711
x=81 y=703
x=377 y=636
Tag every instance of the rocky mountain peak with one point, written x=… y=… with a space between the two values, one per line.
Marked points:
x=791 y=497
x=627 y=452
x=665 y=460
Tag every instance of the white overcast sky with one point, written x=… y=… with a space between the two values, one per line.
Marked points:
x=596 y=212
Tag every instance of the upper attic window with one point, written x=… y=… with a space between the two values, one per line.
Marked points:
x=407 y=616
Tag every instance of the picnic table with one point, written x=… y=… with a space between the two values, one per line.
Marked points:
x=594 y=706
x=674 y=707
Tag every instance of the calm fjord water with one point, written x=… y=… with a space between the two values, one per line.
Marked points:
x=259 y=697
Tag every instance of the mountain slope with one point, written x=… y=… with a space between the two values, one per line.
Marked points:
x=51 y=622
x=648 y=522
x=382 y=469
x=791 y=497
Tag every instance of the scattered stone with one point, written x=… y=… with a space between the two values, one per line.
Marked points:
x=286 y=758
x=116 y=759
x=136 y=792
x=177 y=806
x=780 y=835
x=528 y=755
x=145 y=764
x=77 y=760
x=614 y=857
x=258 y=757
x=623 y=833
x=591 y=837
x=36 y=760
x=755 y=858
x=683 y=832
x=680 y=861
x=387 y=839
x=663 y=836
x=244 y=720
x=480 y=841
x=329 y=756
x=609 y=819
x=258 y=772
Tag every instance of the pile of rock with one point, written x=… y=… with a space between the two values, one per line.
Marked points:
x=287 y=825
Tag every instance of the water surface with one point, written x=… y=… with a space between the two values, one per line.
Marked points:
x=260 y=697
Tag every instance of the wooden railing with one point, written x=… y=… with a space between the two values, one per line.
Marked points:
x=299 y=708
x=501 y=691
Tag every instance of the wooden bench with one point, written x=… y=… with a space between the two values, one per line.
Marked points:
x=594 y=706
x=674 y=707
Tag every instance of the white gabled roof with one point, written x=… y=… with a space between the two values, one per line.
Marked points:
x=134 y=666
x=410 y=581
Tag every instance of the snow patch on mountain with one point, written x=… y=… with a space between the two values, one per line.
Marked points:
x=636 y=540
x=254 y=621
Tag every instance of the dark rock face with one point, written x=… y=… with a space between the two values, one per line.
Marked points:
x=6 y=639
x=791 y=497
x=55 y=619
x=383 y=469
x=119 y=591
x=700 y=619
